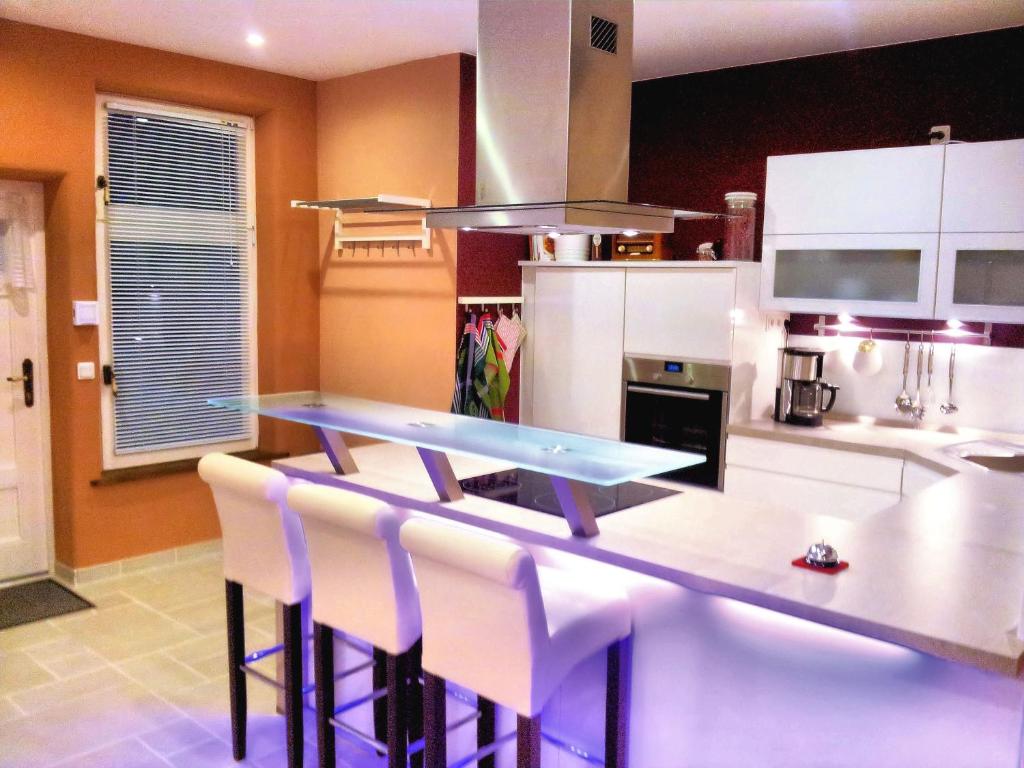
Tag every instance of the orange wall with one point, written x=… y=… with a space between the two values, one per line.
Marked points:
x=48 y=83
x=387 y=320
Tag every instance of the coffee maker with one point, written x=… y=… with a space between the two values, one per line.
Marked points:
x=800 y=390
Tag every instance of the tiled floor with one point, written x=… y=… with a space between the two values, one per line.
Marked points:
x=141 y=680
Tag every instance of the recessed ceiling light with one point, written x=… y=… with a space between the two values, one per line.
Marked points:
x=255 y=39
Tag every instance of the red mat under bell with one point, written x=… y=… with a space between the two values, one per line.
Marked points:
x=800 y=562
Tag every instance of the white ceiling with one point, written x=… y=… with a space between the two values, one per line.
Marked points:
x=319 y=39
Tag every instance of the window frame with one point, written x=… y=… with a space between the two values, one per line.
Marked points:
x=112 y=460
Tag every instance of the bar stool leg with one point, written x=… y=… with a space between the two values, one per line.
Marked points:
x=527 y=741
x=414 y=718
x=380 y=706
x=293 y=643
x=434 y=722
x=485 y=729
x=323 y=664
x=397 y=706
x=617 y=700
x=236 y=657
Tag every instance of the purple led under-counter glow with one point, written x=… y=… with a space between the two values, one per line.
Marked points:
x=718 y=682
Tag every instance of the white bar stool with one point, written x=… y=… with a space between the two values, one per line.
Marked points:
x=363 y=585
x=497 y=624
x=264 y=550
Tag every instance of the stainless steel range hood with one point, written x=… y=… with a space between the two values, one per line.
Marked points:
x=553 y=93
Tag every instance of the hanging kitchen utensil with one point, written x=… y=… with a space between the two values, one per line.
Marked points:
x=929 y=391
x=903 y=399
x=917 y=407
x=949 y=407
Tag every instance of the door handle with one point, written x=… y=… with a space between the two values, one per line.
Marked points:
x=110 y=379
x=27 y=382
x=679 y=393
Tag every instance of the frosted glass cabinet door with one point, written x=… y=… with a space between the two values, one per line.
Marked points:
x=860 y=191
x=983 y=187
x=981 y=277
x=880 y=275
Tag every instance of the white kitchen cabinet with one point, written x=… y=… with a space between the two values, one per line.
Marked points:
x=897 y=233
x=868 y=191
x=917 y=477
x=981 y=277
x=681 y=314
x=887 y=275
x=867 y=470
x=849 y=502
x=844 y=484
x=983 y=187
x=575 y=339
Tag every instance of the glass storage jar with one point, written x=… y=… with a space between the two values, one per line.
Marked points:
x=739 y=225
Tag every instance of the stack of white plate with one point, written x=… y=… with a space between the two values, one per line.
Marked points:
x=572 y=248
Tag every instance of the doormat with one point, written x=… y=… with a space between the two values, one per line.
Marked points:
x=36 y=601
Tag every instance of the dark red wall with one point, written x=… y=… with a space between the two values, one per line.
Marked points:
x=696 y=137
x=488 y=265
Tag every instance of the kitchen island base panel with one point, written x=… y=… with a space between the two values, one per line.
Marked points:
x=717 y=682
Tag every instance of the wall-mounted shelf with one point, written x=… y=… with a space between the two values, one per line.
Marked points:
x=383 y=221
x=486 y=301
x=378 y=204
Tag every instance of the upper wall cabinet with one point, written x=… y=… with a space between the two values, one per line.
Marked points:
x=857 y=192
x=888 y=232
x=983 y=187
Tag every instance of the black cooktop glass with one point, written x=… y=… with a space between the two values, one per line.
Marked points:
x=533 y=490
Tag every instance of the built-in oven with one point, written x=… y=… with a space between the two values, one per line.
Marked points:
x=679 y=405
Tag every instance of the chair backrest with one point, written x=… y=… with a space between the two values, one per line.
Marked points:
x=264 y=547
x=484 y=623
x=362 y=578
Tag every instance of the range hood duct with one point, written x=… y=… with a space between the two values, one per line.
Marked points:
x=553 y=95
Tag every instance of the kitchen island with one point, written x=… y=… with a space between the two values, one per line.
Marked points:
x=910 y=657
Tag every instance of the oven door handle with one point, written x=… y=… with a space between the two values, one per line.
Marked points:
x=680 y=393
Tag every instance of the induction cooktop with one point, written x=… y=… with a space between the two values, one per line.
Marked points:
x=533 y=490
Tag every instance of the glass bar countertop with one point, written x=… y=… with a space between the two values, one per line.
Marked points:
x=576 y=457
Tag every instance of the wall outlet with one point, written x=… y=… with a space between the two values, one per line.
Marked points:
x=940 y=134
x=86 y=371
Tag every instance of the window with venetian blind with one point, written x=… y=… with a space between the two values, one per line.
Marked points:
x=177 y=270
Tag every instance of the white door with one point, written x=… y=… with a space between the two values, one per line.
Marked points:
x=680 y=314
x=983 y=187
x=577 y=350
x=24 y=419
x=866 y=191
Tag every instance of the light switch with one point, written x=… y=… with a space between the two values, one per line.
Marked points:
x=85 y=313
x=86 y=371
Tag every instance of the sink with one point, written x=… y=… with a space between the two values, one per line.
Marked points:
x=990 y=454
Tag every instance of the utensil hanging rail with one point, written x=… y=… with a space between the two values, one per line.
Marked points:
x=468 y=301
x=950 y=335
